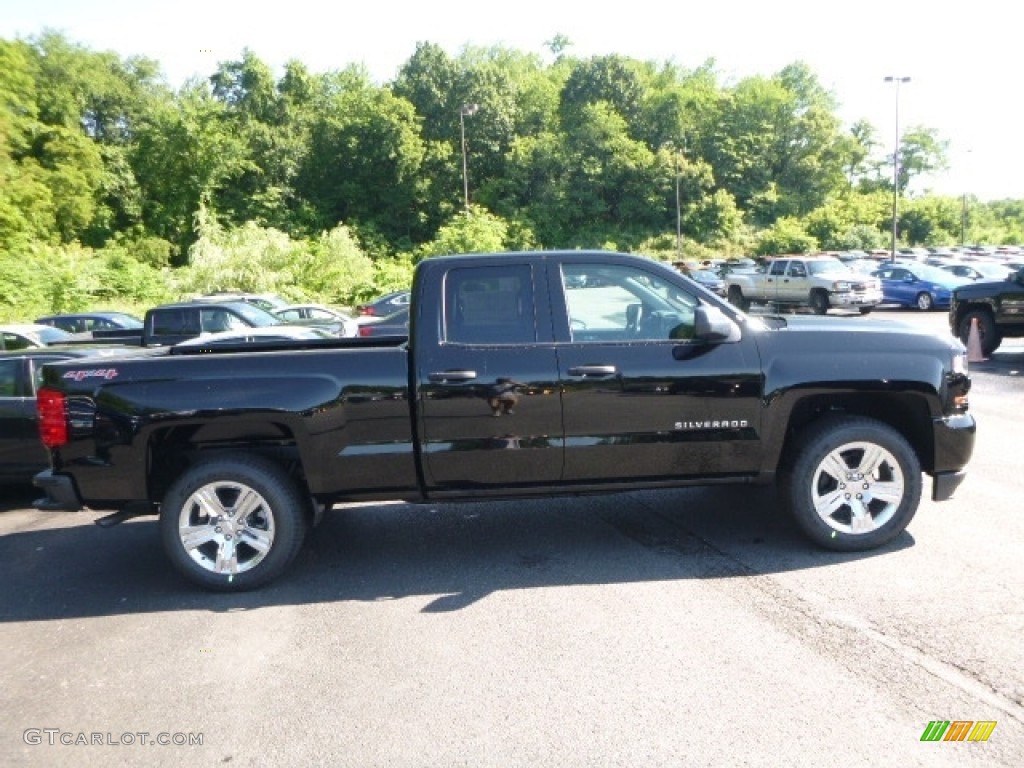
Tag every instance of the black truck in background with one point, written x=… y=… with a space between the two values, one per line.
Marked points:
x=996 y=306
x=170 y=324
x=524 y=374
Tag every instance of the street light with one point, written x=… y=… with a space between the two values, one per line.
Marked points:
x=468 y=110
x=896 y=160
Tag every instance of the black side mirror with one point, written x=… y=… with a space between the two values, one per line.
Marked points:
x=712 y=325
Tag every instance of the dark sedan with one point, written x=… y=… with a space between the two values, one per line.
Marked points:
x=395 y=324
x=917 y=285
x=709 y=279
x=82 y=322
x=385 y=305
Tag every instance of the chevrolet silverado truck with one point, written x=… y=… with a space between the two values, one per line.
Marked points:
x=523 y=375
x=818 y=282
x=996 y=306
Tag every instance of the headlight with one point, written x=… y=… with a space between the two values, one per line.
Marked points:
x=960 y=363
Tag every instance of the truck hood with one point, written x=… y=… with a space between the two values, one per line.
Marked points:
x=798 y=351
x=981 y=289
x=823 y=335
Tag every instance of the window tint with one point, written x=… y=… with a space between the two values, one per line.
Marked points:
x=489 y=305
x=14 y=341
x=9 y=378
x=176 y=322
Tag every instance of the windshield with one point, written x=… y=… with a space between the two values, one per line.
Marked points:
x=50 y=335
x=935 y=274
x=254 y=315
x=826 y=265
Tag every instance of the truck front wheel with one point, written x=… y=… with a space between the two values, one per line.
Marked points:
x=233 y=523
x=737 y=299
x=819 y=302
x=988 y=334
x=854 y=485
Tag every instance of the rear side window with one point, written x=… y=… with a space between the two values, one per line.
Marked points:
x=176 y=322
x=489 y=305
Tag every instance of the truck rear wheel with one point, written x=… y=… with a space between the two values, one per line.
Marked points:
x=855 y=483
x=233 y=523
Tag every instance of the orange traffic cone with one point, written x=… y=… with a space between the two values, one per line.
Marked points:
x=974 y=354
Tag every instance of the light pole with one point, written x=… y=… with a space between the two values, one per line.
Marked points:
x=676 y=151
x=896 y=161
x=679 y=215
x=468 y=110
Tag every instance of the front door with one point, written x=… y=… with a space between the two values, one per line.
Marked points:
x=642 y=401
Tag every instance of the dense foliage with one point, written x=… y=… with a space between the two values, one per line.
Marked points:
x=116 y=190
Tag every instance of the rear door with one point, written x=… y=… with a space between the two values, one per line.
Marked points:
x=642 y=400
x=796 y=285
x=488 y=400
x=774 y=278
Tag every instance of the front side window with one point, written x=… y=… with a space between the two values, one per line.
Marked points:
x=623 y=303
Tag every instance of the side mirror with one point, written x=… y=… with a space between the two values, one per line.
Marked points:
x=712 y=325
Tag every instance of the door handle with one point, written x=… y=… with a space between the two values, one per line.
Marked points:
x=593 y=370
x=445 y=376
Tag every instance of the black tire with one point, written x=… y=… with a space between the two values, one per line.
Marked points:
x=886 y=491
x=737 y=299
x=257 y=542
x=988 y=334
x=819 y=302
x=865 y=310
x=924 y=301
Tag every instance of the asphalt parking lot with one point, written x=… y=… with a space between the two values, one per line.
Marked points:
x=689 y=627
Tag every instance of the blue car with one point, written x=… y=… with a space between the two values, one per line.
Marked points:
x=917 y=285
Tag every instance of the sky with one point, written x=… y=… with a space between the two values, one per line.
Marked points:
x=962 y=58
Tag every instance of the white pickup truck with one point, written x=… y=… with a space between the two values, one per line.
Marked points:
x=818 y=282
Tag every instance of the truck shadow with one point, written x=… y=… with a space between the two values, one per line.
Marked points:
x=452 y=554
x=1006 y=361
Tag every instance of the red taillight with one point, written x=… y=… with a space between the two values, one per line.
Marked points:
x=53 y=423
x=367 y=311
x=364 y=330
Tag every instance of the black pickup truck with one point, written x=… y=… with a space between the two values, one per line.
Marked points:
x=524 y=374
x=996 y=306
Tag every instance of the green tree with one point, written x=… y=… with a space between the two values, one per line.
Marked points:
x=475 y=231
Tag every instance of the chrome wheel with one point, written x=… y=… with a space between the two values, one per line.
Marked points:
x=226 y=527
x=858 y=488
x=854 y=483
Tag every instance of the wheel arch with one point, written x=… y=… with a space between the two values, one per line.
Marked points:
x=174 y=450
x=907 y=413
